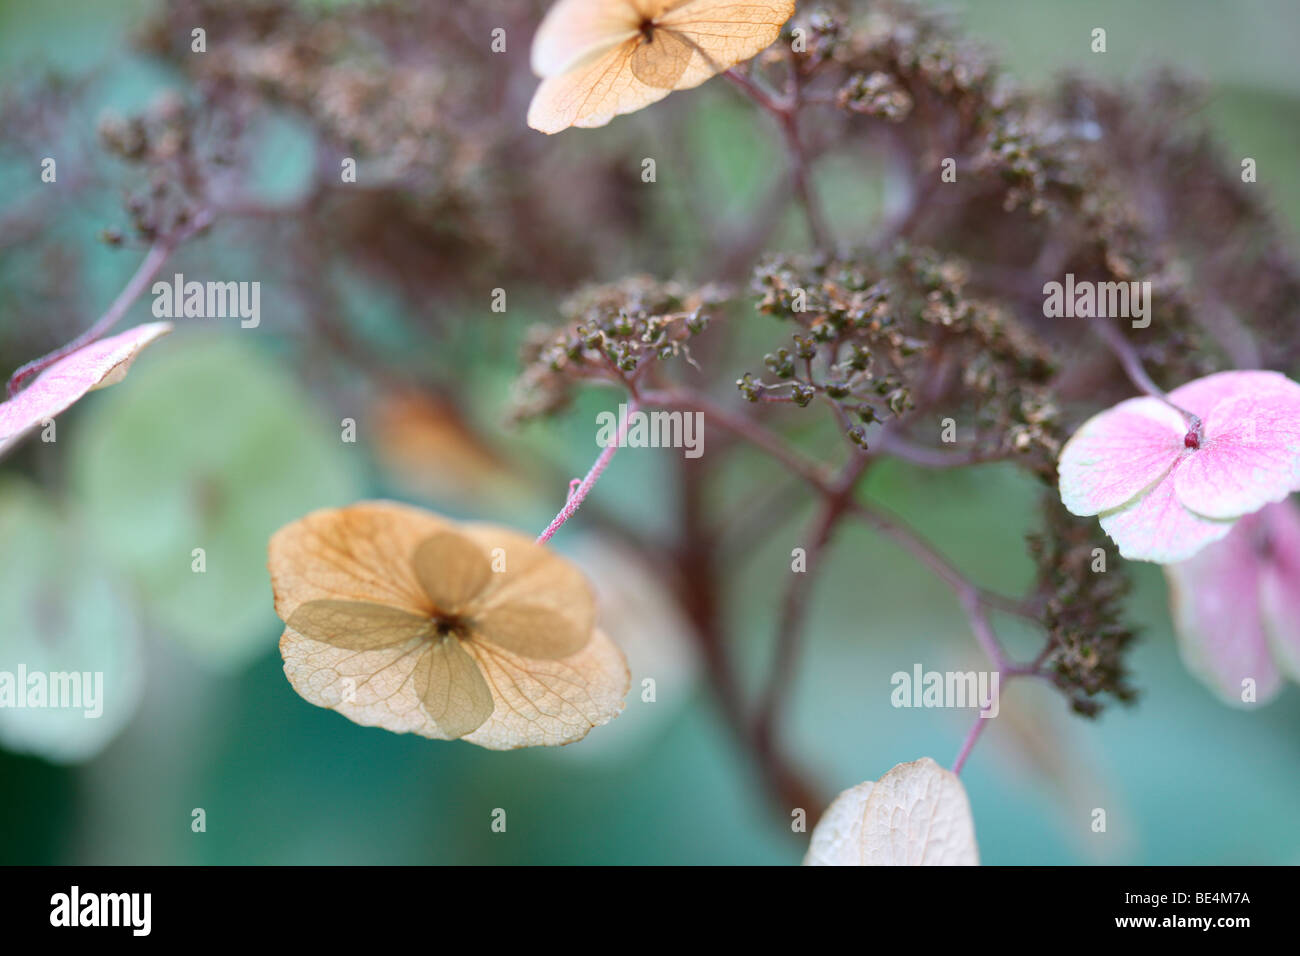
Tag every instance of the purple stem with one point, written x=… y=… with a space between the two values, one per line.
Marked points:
x=578 y=494
x=1132 y=365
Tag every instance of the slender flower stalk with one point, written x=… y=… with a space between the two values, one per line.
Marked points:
x=583 y=488
x=969 y=743
x=1132 y=365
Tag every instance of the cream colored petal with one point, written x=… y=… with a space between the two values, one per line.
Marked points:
x=373 y=688
x=359 y=553
x=531 y=631
x=915 y=815
x=724 y=33
x=837 y=837
x=573 y=29
x=547 y=703
x=592 y=93
x=455 y=696
x=531 y=575
x=918 y=815
x=356 y=625
x=452 y=569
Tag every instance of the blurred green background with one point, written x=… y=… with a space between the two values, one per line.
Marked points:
x=208 y=721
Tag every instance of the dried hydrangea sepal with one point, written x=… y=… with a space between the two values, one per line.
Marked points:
x=915 y=815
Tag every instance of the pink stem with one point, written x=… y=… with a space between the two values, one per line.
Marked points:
x=578 y=494
x=969 y=743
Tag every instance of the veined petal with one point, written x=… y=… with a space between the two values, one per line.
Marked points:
x=723 y=33
x=1156 y=527
x=592 y=92
x=573 y=30
x=375 y=688
x=663 y=61
x=356 y=625
x=915 y=815
x=430 y=688
x=358 y=553
x=1214 y=599
x=1118 y=454
x=837 y=837
x=549 y=702
x=452 y=570
x=1250 y=455
x=452 y=689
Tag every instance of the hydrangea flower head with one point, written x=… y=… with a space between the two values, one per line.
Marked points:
x=402 y=619
x=1165 y=487
x=602 y=58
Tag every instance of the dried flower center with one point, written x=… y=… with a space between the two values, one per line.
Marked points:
x=648 y=30
x=448 y=625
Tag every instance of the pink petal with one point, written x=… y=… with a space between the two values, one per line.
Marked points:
x=1200 y=396
x=1118 y=454
x=1280 y=590
x=99 y=364
x=1214 y=598
x=1250 y=455
x=1155 y=527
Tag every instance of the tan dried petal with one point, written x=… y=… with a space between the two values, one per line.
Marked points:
x=356 y=625
x=723 y=32
x=452 y=688
x=527 y=574
x=547 y=703
x=663 y=62
x=359 y=553
x=530 y=631
x=451 y=569
x=535 y=702
x=372 y=688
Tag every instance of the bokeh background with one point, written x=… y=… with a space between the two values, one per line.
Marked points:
x=221 y=434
